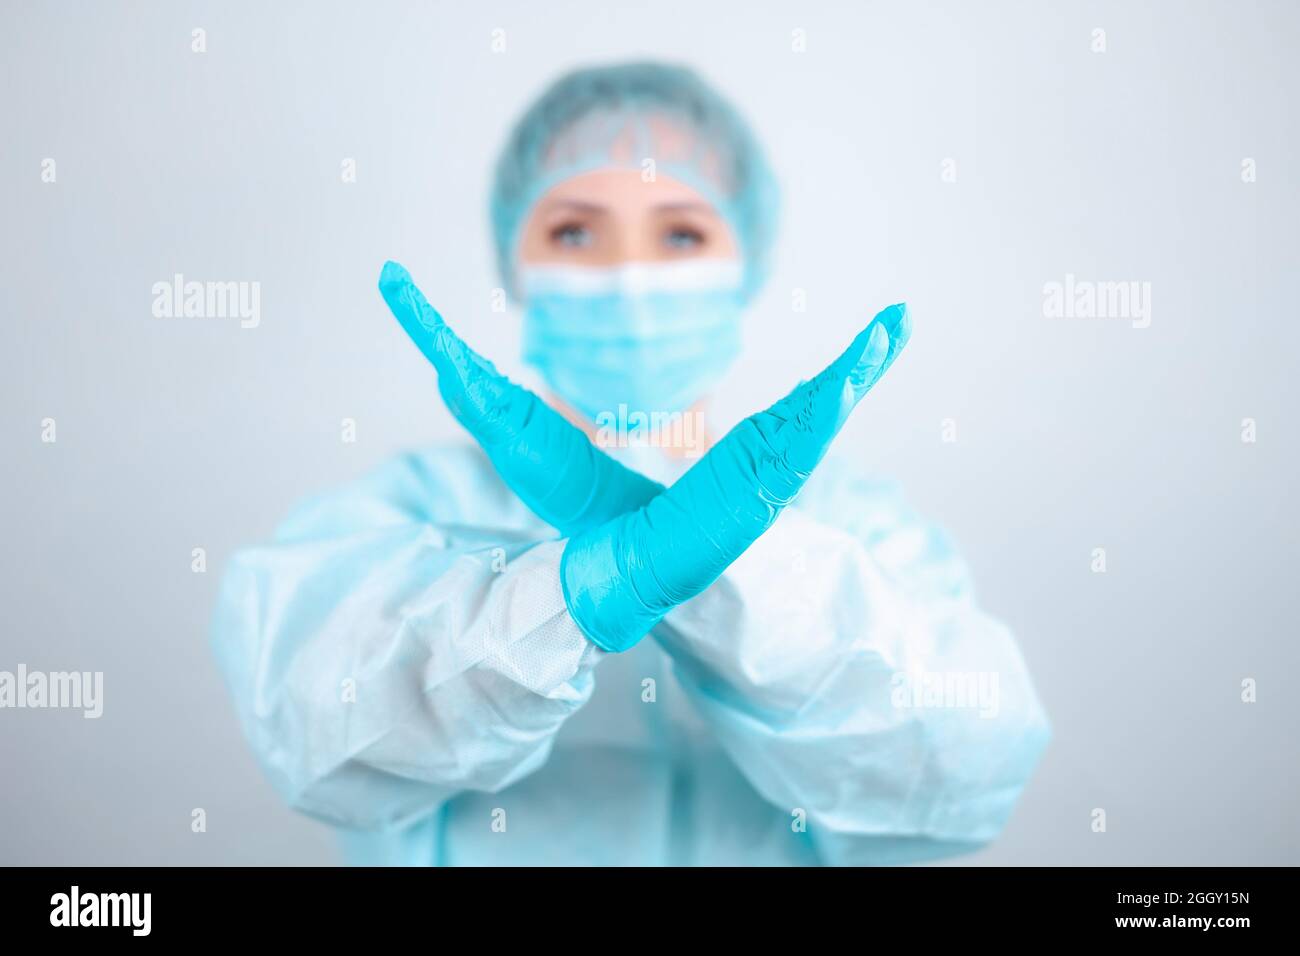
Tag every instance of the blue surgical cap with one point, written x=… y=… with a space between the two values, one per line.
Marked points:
x=625 y=116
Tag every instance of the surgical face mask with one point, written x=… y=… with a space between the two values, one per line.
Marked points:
x=652 y=336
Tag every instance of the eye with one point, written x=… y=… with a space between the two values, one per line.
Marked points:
x=684 y=238
x=572 y=235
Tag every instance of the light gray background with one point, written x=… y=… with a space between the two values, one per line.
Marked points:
x=1071 y=434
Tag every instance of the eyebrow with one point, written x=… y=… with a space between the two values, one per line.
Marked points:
x=580 y=205
x=684 y=205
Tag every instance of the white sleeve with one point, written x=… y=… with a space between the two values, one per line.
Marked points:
x=379 y=670
x=853 y=680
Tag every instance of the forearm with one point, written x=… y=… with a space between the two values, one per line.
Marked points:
x=802 y=657
x=380 y=675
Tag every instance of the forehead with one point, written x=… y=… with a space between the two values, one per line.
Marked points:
x=624 y=192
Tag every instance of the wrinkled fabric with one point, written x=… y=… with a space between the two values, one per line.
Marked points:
x=657 y=118
x=403 y=664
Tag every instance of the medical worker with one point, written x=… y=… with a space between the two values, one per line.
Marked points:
x=541 y=647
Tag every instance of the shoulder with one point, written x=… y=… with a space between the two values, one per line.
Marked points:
x=450 y=483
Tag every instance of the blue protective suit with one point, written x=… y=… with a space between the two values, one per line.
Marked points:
x=405 y=667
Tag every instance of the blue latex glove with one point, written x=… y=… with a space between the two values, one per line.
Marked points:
x=564 y=479
x=621 y=578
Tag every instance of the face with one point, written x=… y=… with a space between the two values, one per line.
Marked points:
x=610 y=217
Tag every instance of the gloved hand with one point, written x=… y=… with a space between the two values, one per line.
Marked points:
x=622 y=577
x=564 y=479
x=637 y=551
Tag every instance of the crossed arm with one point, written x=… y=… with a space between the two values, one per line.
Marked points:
x=460 y=672
x=636 y=550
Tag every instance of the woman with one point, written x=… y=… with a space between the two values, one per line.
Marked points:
x=528 y=652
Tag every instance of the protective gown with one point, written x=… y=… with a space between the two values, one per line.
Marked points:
x=403 y=663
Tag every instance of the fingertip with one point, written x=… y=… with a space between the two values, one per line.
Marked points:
x=871 y=342
x=406 y=300
x=895 y=316
x=897 y=320
x=903 y=325
x=877 y=344
x=393 y=274
x=865 y=341
x=867 y=354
